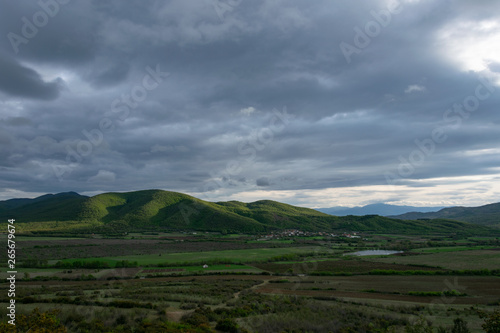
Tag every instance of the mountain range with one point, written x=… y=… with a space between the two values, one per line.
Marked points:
x=377 y=209
x=482 y=215
x=150 y=209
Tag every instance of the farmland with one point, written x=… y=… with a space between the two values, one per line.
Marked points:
x=461 y=259
x=158 y=281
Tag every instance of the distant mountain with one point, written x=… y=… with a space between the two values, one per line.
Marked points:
x=483 y=215
x=153 y=209
x=377 y=209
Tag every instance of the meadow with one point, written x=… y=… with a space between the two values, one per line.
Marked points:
x=149 y=282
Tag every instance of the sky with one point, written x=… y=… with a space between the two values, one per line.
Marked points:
x=313 y=103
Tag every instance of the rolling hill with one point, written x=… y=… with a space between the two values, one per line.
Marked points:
x=482 y=215
x=61 y=205
x=155 y=209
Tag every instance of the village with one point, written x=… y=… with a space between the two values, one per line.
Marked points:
x=282 y=234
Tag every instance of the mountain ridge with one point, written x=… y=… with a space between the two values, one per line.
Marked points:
x=381 y=209
x=482 y=215
x=152 y=209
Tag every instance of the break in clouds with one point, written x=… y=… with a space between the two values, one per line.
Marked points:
x=316 y=104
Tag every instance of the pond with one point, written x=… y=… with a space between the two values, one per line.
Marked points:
x=372 y=253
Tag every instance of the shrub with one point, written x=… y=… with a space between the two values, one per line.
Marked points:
x=491 y=321
x=460 y=326
x=227 y=325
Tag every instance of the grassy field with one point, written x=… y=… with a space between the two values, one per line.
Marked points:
x=475 y=259
x=306 y=285
x=338 y=266
x=210 y=268
x=276 y=241
x=54 y=226
x=453 y=249
x=186 y=257
x=46 y=238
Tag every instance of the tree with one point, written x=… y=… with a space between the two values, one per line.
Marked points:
x=460 y=326
x=421 y=326
x=491 y=322
x=35 y=322
x=227 y=325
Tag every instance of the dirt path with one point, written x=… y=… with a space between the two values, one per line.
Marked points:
x=176 y=315
x=237 y=295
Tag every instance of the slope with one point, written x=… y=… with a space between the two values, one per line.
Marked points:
x=154 y=209
x=49 y=207
x=280 y=215
x=164 y=209
x=482 y=215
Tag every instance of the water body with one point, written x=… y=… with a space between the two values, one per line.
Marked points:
x=372 y=253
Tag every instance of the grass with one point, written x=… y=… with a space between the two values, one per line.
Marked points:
x=453 y=249
x=44 y=238
x=458 y=260
x=201 y=269
x=391 y=295
x=54 y=226
x=279 y=241
x=233 y=236
x=242 y=256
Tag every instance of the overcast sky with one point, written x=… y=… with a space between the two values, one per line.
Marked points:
x=313 y=103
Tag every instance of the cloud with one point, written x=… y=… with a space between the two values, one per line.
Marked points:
x=414 y=88
x=20 y=81
x=168 y=149
x=214 y=126
x=18 y=121
x=263 y=181
x=109 y=76
x=103 y=176
x=248 y=111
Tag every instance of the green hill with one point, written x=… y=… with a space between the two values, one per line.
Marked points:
x=483 y=215
x=164 y=209
x=62 y=206
x=154 y=209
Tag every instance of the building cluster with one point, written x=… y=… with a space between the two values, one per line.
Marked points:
x=299 y=233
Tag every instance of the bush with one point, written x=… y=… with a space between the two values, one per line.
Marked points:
x=195 y=319
x=491 y=321
x=227 y=325
x=460 y=326
x=36 y=321
x=187 y=306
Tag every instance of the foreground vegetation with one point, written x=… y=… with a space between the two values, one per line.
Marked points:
x=154 y=282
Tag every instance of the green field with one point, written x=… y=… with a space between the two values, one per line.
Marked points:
x=43 y=238
x=263 y=286
x=275 y=241
x=453 y=249
x=242 y=256
x=458 y=260
x=201 y=269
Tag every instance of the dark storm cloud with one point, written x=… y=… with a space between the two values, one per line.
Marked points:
x=263 y=181
x=210 y=123
x=109 y=76
x=21 y=81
